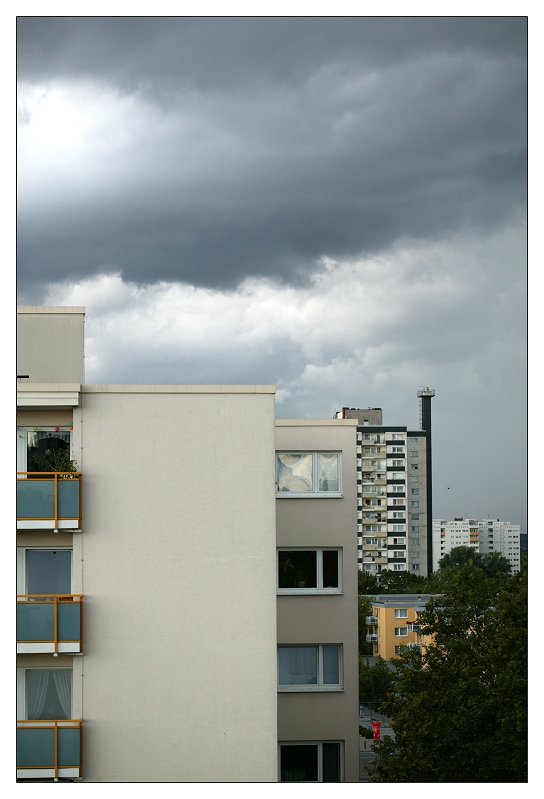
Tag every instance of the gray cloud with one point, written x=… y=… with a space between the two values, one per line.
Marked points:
x=273 y=142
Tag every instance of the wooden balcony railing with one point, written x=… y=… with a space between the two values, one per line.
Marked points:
x=49 y=496
x=49 y=748
x=49 y=623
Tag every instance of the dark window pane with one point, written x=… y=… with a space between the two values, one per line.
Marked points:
x=331 y=762
x=49 y=572
x=331 y=669
x=47 y=451
x=330 y=569
x=297 y=569
x=299 y=763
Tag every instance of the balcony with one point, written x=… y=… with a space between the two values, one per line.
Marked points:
x=371 y=620
x=371 y=639
x=49 y=749
x=414 y=628
x=49 y=623
x=48 y=500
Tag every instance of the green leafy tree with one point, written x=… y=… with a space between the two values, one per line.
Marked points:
x=368 y=583
x=375 y=682
x=458 y=556
x=392 y=582
x=365 y=609
x=460 y=708
x=493 y=564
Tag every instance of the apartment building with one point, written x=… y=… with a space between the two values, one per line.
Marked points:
x=318 y=691
x=394 y=623
x=489 y=535
x=163 y=633
x=394 y=488
x=457 y=533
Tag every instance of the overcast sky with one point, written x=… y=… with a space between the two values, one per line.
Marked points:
x=334 y=205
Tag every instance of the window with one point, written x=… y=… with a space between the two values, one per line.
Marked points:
x=415 y=566
x=396 y=463
x=398 y=514
x=400 y=554
x=397 y=542
x=45 y=693
x=396 y=489
x=397 y=475
x=397 y=502
x=397 y=449
x=43 y=449
x=414 y=490
x=399 y=567
x=401 y=631
x=414 y=453
x=414 y=440
x=313 y=571
x=398 y=528
x=397 y=650
x=401 y=613
x=308 y=474
x=309 y=668
x=371 y=541
x=414 y=466
x=44 y=571
x=414 y=503
x=415 y=554
x=415 y=516
x=397 y=437
x=310 y=761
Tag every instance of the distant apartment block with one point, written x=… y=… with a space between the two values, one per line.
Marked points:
x=489 y=535
x=394 y=491
x=394 y=624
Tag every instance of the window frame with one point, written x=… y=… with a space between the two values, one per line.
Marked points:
x=320 y=686
x=310 y=591
x=22 y=431
x=315 y=494
x=22 y=710
x=401 y=613
x=399 y=633
x=319 y=745
x=22 y=582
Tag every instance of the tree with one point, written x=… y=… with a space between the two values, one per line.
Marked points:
x=460 y=711
x=492 y=563
x=458 y=556
x=375 y=682
x=368 y=583
x=365 y=609
x=392 y=582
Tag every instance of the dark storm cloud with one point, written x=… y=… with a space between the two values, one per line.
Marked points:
x=324 y=137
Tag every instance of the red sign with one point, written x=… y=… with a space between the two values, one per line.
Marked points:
x=376 y=730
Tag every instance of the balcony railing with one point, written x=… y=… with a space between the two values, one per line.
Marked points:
x=49 y=749
x=371 y=639
x=49 y=623
x=49 y=499
x=371 y=620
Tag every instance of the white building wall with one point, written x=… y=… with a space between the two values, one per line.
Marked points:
x=502 y=537
x=178 y=550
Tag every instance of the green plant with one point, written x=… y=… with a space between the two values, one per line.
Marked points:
x=55 y=460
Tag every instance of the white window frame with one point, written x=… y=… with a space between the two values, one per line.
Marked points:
x=315 y=494
x=22 y=712
x=399 y=633
x=21 y=565
x=319 y=745
x=320 y=686
x=22 y=441
x=401 y=613
x=318 y=590
x=399 y=567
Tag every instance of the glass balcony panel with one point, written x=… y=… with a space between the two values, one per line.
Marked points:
x=68 y=746
x=68 y=626
x=36 y=747
x=68 y=501
x=35 y=499
x=35 y=621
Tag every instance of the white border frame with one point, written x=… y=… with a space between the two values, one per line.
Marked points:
x=22 y=441
x=315 y=494
x=319 y=687
x=311 y=591
x=319 y=745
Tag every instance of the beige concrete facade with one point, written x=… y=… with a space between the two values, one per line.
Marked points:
x=50 y=344
x=321 y=521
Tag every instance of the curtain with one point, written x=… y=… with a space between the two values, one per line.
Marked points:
x=297 y=665
x=36 y=690
x=63 y=684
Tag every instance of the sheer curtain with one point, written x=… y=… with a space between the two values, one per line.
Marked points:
x=297 y=665
x=63 y=684
x=36 y=691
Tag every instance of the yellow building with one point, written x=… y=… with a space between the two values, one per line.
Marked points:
x=394 y=623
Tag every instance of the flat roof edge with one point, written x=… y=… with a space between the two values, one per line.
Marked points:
x=316 y=422
x=78 y=309
x=166 y=388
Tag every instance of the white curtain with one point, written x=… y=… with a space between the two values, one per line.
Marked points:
x=297 y=665
x=63 y=684
x=36 y=690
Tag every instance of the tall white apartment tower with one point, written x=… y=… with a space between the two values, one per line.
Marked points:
x=394 y=491
x=489 y=535
x=503 y=537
